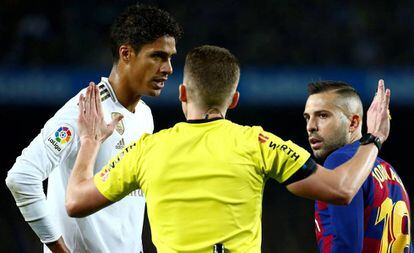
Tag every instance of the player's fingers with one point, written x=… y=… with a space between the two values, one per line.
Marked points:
x=378 y=99
x=91 y=98
x=81 y=104
x=92 y=101
x=114 y=122
x=87 y=100
x=374 y=103
x=387 y=99
x=381 y=91
x=98 y=102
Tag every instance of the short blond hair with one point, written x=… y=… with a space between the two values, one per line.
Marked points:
x=211 y=74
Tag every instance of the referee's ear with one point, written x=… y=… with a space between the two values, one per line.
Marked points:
x=182 y=93
x=235 y=100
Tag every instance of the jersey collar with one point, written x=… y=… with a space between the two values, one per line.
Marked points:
x=203 y=120
x=106 y=91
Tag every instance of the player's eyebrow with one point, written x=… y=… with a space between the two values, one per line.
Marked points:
x=315 y=112
x=163 y=53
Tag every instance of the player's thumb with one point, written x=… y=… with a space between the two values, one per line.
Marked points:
x=114 y=122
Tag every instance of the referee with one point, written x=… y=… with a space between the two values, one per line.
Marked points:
x=203 y=179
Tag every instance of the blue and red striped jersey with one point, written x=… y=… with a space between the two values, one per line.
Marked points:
x=376 y=221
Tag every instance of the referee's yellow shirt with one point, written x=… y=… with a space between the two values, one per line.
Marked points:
x=203 y=182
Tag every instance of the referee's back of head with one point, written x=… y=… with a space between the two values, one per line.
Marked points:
x=211 y=75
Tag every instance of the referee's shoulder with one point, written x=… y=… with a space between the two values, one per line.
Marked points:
x=162 y=133
x=246 y=129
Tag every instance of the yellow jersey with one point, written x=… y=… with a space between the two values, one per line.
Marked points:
x=203 y=182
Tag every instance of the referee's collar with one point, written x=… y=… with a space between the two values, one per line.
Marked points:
x=203 y=120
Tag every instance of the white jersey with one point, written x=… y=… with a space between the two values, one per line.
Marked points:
x=116 y=228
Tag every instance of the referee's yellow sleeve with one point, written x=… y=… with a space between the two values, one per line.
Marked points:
x=281 y=159
x=120 y=176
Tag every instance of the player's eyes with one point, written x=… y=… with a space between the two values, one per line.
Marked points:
x=156 y=56
x=160 y=56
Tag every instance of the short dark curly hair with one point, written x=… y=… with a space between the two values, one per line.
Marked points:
x=142 y=24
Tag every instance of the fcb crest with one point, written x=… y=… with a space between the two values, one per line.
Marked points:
x=120 y=126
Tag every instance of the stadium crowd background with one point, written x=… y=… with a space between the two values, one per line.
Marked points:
x=293 y=39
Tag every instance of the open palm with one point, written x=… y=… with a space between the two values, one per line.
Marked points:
x=91 y=121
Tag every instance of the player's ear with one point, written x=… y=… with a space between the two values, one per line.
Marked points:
x=234 y=100
x=355 y=122
x=183 y=93
x=124 y=52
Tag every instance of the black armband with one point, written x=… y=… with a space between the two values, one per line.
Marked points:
x=305 y=171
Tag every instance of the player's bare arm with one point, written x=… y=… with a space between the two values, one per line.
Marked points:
x=340 y=185
x=82 y=196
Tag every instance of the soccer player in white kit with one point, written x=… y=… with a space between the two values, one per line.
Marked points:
x=142 y=41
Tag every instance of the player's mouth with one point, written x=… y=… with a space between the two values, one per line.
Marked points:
x=315 y=143
x=158 y=83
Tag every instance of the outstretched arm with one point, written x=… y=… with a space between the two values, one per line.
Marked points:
x=25 y=179
x=340 y=185
x=82 y=196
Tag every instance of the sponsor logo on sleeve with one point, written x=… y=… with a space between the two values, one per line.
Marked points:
x=104 y=174
x=59 y=139
x=285 y=148
x=263 y=138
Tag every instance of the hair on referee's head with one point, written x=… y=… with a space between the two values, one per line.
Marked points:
x=211 y=74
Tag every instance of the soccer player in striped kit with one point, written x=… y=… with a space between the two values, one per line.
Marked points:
x=377 y=220
x=143 y=41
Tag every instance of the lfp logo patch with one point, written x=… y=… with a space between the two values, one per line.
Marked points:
x=59 y=139
x=63 y=135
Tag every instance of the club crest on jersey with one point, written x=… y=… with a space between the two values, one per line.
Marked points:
x=59 y=139
x=120 y=126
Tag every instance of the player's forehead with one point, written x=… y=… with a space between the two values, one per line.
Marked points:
x=326 y=101
x=164 y=44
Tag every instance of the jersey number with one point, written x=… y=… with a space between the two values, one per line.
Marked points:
x=393 y=214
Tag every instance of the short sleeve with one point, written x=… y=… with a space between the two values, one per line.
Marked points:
x=280 y=159
x=120 y=176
